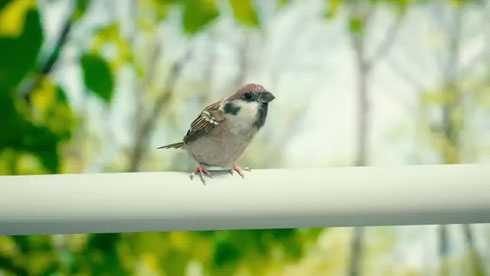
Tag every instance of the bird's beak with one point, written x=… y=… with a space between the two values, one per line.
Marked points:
x=266 y=97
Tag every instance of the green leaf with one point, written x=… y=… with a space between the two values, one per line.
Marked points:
x=162 y=7
x=244 y=12
x=438 y=97
x=43 y=143
x=356 y=25
x=80 y=9
x=97 y=76
x=197 y=14
x=3 y=3
x=18 y=55
x=225 y=253
x=24 y=136
x=332 y=8
x=50 y=106
x=103 y=257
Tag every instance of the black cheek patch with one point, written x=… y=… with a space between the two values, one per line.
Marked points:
x=230 y=108
x=262 y=114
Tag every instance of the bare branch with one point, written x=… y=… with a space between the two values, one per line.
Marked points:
x=478 y=268
x=385 y=46
x=356 y=249
x=484 y=54
x=358 y=43
x=242 y=60
x=162 y=100
x=52 y=59
x=405 y=75
x=209 y=72
x=450 y=79
x=443 y=250
x=470 y=65
x=451 y=133
x=364 y=66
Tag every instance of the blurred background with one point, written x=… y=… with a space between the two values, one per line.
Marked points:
x=96 y=85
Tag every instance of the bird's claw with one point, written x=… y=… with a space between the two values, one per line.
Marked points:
x=239 y=170
x=201 y=171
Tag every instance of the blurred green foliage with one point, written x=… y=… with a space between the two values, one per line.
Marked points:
x=38 y=127
x=219 y=252
x=97 y=76
x=81 y=7
x=244 y=12
x=197 y=14
x=26 y=132
x=38 y=118
x=18 y=55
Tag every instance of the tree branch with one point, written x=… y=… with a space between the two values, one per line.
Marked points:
x=450 y=82
x=450 y=79
x=385 y=46
x=364 y=67
x=443 y=250
x=242 y=60
x=478 y=268
x=482 y=56
x=363 y=13
x=406 y=75
x=52 y=59
x=148 y=125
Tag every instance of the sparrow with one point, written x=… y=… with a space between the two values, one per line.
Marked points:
x=220 y=134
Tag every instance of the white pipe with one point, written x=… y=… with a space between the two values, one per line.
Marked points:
x=282 y=198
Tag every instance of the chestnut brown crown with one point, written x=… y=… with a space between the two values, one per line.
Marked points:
x=253 y=92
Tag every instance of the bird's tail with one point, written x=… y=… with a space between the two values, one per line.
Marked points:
x=174 y=146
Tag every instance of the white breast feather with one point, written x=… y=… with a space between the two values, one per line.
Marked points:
x=243 y=121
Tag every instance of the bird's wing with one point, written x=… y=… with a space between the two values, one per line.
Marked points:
x=209 y=118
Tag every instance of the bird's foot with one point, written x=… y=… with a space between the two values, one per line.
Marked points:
x=201 y=171
x=239 y=170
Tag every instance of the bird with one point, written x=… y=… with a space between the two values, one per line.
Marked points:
x=219 y=136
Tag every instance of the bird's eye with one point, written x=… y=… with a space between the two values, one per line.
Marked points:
x=248 y=96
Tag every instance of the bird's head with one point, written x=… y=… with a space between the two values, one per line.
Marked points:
x=249 y=104
x=252 y=93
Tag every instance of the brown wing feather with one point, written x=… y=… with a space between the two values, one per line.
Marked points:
x=209 y=118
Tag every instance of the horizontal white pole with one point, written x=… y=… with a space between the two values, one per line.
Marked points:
x=279 y=198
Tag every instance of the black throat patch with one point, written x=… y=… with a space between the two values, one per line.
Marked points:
x=232 y=109
x=261 y=115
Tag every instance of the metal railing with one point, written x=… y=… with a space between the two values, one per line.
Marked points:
x=274 y=198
